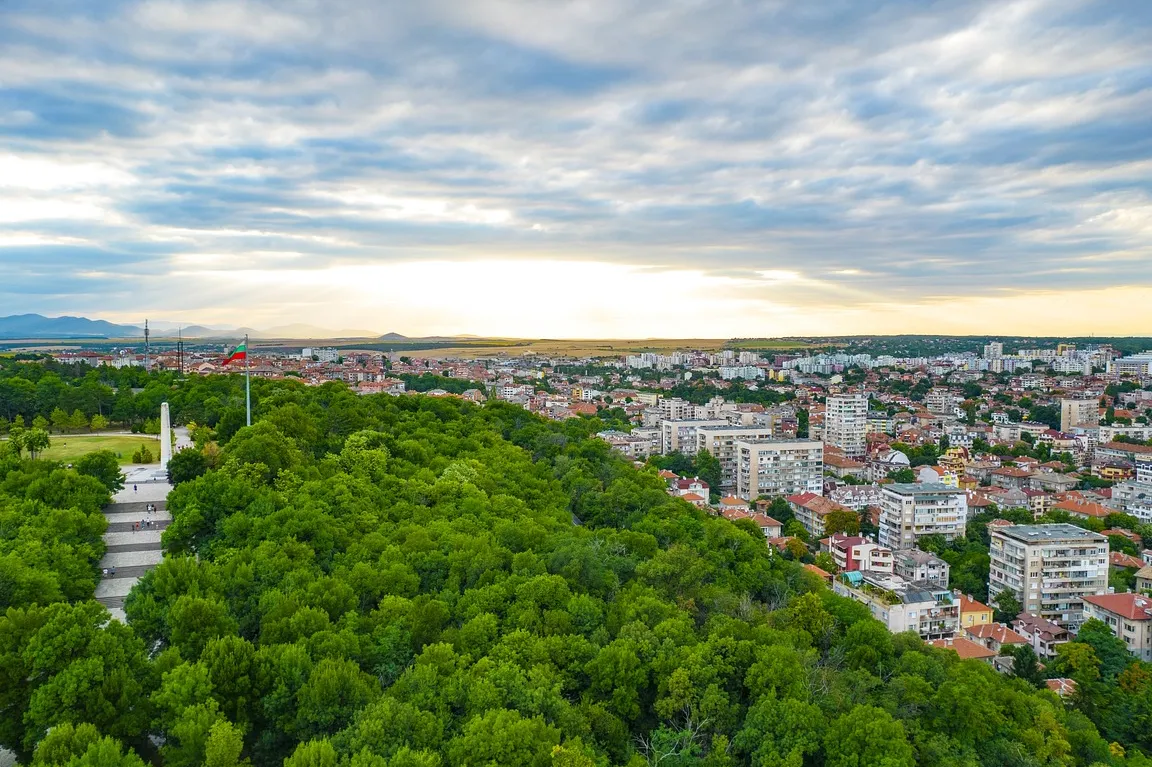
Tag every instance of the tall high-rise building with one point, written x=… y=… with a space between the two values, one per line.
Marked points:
x=994 y=350
x=1078 y=412
x=846 y=423
x=1049 y=568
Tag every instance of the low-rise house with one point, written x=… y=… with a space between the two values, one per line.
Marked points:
x=822 y=574
x=1081 y=509
x=811 y=509
x=918 y=565
x=1118 y=560
x=965 y=648
x=1128 y=615
x=1043 y=635
x=995 y=636
x=973 y=612
x=858 y=553
x=1144 y=579
x=1062 y=686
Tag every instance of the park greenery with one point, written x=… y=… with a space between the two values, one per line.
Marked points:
x=421 y=582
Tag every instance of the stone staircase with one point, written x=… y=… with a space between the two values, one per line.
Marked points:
x=132 y=552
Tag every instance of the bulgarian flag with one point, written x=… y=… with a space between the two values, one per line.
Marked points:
x=239 y=353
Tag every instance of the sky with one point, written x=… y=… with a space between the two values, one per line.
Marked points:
x=595 y=168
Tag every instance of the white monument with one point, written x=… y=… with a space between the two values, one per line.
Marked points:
x=165 y=436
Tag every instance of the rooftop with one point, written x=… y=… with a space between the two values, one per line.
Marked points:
x=965 y=648
x=926 y=488
x=1050 y=533
x=1134 y=607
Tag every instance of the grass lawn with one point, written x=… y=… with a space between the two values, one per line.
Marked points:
x=69 y=447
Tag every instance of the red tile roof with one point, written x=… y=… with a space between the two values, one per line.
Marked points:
x=965 y=648
x=1134 y=607
x=997 y=632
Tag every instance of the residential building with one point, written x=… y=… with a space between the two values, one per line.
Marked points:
x=917 y=565
x=779 y=467
x=1144 y=579
x=721 y=441
x=910 y=511
x=973 y=613
x=965 y=648
x=901 y=605
x=680 y=435
x=1078 y=412
x=810 y=510
x=846 y=423
x=858 y=553
x=1128 y=615
x=994 y=636
x=1042 y=634
x=1049 y=568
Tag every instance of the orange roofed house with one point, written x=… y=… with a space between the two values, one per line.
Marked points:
x=810 y=510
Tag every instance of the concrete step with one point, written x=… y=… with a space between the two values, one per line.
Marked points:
x=122 y=560
x=126 y=527
x=157 y=515
x=131 y=573
x=134 y=508
x=115 y=587
x=143 y=536
x=123 y=547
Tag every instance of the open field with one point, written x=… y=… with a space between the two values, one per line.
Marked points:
x=69 y=447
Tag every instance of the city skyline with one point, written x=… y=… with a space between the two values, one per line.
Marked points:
x=597 y=170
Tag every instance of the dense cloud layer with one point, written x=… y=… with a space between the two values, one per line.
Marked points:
x=816 y=154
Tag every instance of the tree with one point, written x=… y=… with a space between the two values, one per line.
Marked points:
x=61 y=420
x=99 y=423
x=905 y=476
x=102 y=465
x=1007 y=607
x=40 y=422
x=1026 y=666
x=708 y=469
x=867 y=737
x=35 y=441
x=847 y=522
x=186 y=465
x=77 y=420
x=143 y=455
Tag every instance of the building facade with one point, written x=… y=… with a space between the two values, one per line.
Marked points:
x=721 y=441
x=911 y=511
x=846 y=424
x=1078 y=412
x=1049 y=568
x=779 y=467
x=1129 y=616
x=901 y=605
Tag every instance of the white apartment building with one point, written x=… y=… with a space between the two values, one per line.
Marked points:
x=1078 y=412
x=1137 y=364
x=910 y=511
x=680 y=435
x=721 y=442
x=779 y=467
x=846 y=423
x=673 y=409
x=1128 y=615
x=901 y=605
x=994 y=350
x=1050 y=569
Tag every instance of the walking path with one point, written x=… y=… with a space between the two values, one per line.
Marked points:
x=132 y=551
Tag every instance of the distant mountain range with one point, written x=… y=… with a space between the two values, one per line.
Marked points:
x=36 y=326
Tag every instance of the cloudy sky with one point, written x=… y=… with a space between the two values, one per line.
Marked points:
x=703 y=168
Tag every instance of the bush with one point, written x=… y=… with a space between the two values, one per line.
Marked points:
x=143 y=455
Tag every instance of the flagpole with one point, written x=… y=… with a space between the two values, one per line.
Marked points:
x=247 y=382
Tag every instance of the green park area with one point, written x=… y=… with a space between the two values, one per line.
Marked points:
x=70 y=447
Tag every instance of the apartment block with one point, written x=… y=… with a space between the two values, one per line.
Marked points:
x=858 y=553
x=779 y=467
x=721 y=442
x=846 y=423
x=910 y=511
x=680 y=435
x=1050 y=569
x=1078 y=412
x=1128 y=615
x=901 y=605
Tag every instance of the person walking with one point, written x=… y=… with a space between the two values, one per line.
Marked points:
x=133 y=488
